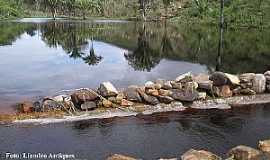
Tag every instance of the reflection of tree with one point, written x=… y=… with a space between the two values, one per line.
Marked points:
x=92 y=59
x=166 y=44
x=144 y=57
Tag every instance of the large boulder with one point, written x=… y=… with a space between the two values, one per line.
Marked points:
x=83 y=95
x=132 y=94
x=184 y=95
x=220 y=79
x=199 y=155
x=107 y=89
x=120 y=157
x=246 y=77
x=245 y=153
x=152 y=92
x=264 y=146
x=259 y=83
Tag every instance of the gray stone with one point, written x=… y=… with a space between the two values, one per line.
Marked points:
x=187 y=77
x=107 y=89
x=259 y=83
x=49 y=104
x=185 y=95
x=149 y=85
x=132 y=94
x=202 y=95
x=267 y=76
x=244 y=153
x=219 y=79
x=165 y=99
x=88 y=106
x=83 y=95
x=167 y=85
x=205 y=85
x=234 y=80
x=199 y=155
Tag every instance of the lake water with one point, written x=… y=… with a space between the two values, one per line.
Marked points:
x=148 y=137
x=40 y=57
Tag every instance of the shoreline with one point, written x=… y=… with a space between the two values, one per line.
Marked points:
x=220 y=91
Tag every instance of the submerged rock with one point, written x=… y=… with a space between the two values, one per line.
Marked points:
x=107 y=89
x=120 y=157
x=245 y=153
x=259 y=83
x=199 y=155
x=83 y=95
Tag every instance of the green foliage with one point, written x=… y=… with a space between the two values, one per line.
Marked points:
x=9 y=8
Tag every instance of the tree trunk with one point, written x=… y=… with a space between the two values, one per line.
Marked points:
x=54 y=14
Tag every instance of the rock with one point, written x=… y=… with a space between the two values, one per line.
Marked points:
x=107 y=89
x=152 y=92
x=247 y=91
x=26 y=107
x=268 y=88
x=199 y=155
x=120 y=97
x=185 y=95
x=246 y=77
x=149 y=85
x=60 y=98
x=191 y=85
x=220 y=104
x=163 y=92
x=219 y=79
x=202 y=95
x=167 y=85
x=245 y=85
x=49 y=104
x=83 y=95
x=160 y=81
x=165 y=99
x=205 y=85
x=176 y=85
x=107 y=103
x=112 y=99
x=147 y=98
x=244 y=153
x=126 y=103
x=187 y=77
x=259 y=83
x=267 y=76
x=264 y=146
x=234 y=80
x=120 y=157
x=88 y=105
x=222 y=91
x=132 y=94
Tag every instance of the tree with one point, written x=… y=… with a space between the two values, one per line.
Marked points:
x=166 y=4
x=88 y=5
x=53 y=6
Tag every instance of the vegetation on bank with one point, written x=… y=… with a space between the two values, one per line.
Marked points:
x=237 y=12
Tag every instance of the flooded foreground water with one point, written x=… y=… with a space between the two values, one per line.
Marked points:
x=40 y=57
x=149 y=137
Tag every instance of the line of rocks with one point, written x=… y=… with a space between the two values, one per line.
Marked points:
x=186 y=88
x=237 y=153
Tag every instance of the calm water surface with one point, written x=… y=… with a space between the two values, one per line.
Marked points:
x=40 y=57
x=148 y=137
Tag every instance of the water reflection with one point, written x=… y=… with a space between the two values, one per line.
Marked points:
x=149 y=43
